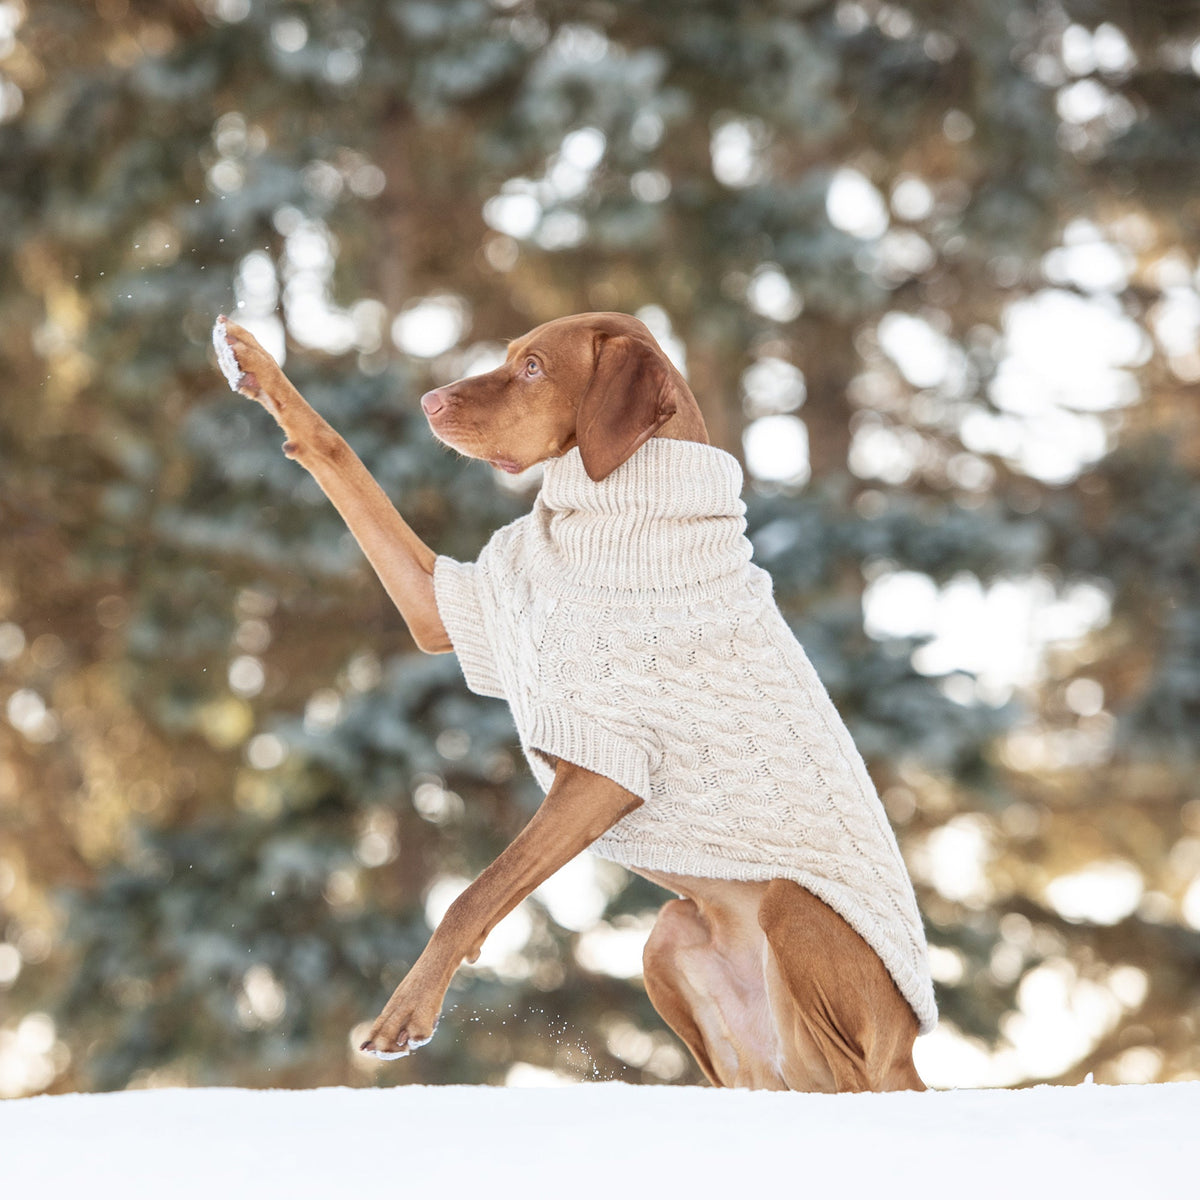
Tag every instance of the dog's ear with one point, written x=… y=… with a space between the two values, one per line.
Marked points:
x=632 y=394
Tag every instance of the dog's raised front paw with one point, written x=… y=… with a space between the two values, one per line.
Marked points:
x=247 y=367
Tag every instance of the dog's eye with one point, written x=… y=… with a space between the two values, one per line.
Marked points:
x=532 y=367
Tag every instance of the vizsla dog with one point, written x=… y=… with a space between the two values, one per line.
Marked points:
x=765 y=983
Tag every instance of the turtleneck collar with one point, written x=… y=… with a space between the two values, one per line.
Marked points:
x=668 y=520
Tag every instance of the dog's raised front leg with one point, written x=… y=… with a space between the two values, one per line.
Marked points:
x=579 y=807
x=402 y=561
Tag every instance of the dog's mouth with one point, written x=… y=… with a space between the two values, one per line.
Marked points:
x=456 y=441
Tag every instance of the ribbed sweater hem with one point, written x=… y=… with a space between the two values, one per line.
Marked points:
x=670 y=860
x=560 y=587
x=556 y=733
x=466 y=623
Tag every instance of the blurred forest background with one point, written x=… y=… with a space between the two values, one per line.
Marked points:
x=931 y=268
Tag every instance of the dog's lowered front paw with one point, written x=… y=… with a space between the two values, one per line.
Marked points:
x=404 y=1045
x=247 y=367
x=403 y=1026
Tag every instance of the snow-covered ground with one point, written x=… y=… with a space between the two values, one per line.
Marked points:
x=602 y=1140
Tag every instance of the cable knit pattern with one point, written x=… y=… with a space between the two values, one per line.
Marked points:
x=629 y=632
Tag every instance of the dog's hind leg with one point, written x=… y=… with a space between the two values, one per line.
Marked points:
x=706 y=981
x=666 y=988
x=842 y=1022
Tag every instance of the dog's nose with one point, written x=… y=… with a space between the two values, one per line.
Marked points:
x=433 y=402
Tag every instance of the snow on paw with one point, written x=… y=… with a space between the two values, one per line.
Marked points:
x=397 y=1037
x=403 y=1046
x=244 y=363
x=226 y=359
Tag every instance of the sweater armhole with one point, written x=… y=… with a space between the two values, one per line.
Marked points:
x=456 y=589
x=556 y=734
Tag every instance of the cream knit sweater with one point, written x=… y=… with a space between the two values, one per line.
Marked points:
x=629 y=632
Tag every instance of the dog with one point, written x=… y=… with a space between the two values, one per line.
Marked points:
x=773 y=978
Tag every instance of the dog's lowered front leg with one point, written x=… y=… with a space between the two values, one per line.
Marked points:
x=579 y=807
x=402 y=561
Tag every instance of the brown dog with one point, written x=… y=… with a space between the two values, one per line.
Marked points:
x=766 y=984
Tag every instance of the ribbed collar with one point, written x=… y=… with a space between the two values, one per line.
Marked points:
x=668 y=520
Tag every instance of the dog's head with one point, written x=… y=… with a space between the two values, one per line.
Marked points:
x=597 y=380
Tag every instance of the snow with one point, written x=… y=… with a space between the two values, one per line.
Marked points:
x=599 y=1140
x=226 y=359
